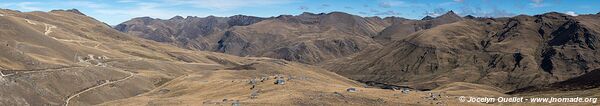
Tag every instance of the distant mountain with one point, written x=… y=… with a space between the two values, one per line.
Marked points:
x=183 y=31
x=308 y=37
x=509 y=53
x=404 y=28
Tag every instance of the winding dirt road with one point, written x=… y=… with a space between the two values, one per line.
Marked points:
x=106 y=82
x=37 y=70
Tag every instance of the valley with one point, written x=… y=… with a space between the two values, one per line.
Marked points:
x=67 y=58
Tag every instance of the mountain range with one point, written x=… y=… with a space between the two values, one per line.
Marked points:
x=307 y=38
x=64 y=57
x=509 y=52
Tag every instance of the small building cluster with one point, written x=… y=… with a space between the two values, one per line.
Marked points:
x=405 y=90
x=434 y=96
x=351 y=90
x=254 y=94
x=91 y=59
x=235 y=103
x=279 y=80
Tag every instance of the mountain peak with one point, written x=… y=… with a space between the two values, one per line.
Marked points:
x=449 y=14
x=337 y=12
x=177 y=18
x=243 y=20
x=284 y=16
x=308 y=13
x=145 y=19
x=70 y=10
x=190 y=17
x=75 y=11
x=553 y=14
x=2 y=9
x=210 y=16
x=427 y=18
x=240 y=15
x=470 y=17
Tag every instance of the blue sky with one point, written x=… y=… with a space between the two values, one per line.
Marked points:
x=116 y=11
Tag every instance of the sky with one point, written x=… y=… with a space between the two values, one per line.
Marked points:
x=114 y=12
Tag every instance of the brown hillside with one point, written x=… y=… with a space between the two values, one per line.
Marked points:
x=508 y=53
x=307 y=38
x=63 y=57
x=405 y=28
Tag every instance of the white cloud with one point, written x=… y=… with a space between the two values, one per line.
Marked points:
x=227 y=4
x=479 y=12
x=160 y=8
x=28 y=6
x=436 y=12
x=140 y=10
x=127 y=1
x=571 y=13
x=390 y=12
x=391 y=3
x=444 y=4
x=4 y=5
x=303 y=8
x=43 y=6
x=538 y=3
x=88 y=4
